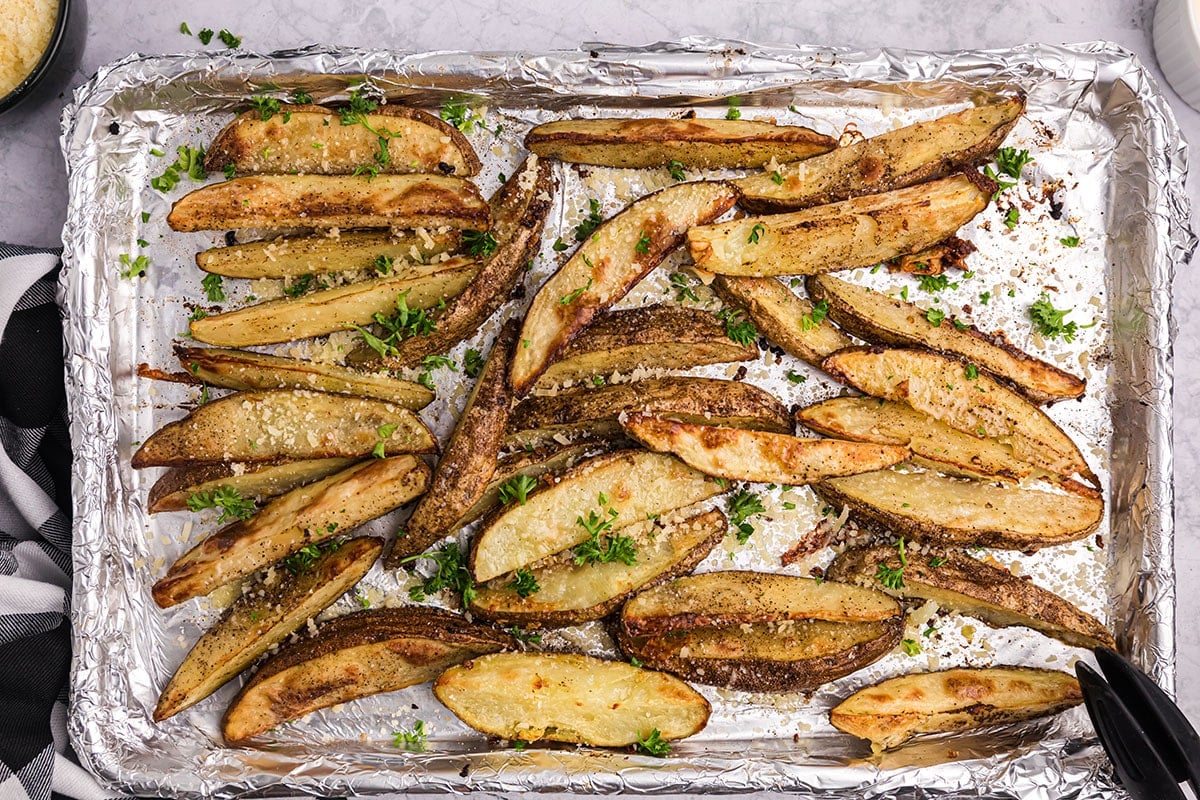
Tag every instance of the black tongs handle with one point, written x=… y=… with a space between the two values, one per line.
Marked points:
x=1151 y=744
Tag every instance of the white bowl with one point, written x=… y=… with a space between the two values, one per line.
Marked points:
x=1177 y=46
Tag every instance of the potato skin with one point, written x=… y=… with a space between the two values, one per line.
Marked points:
x=1001 y=598
x=342 y=661
x=778 y=313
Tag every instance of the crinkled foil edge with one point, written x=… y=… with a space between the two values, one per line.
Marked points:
x=1066 y=769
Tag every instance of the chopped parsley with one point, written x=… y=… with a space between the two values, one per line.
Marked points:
x=266 y=107
x=457 y=114
x=937 y=561
x=734 y=111
x=382 y=265
x=405 y=323
x=1069 y=241
x=910 y=647
x=479 y=243
x=936 y=283
x=574 y=294
x=228 y=39
x=452 y=573
x=517 y=488
x=653 y=744
x=299 y=286
x=523 y=636
x=184 y=29
x=1012 y=217
x=559 y=245
x=589 y=224
x=683 y=291
x=230 y=171
x=810 y=322
x=972 y=372
x=796 y=377
x=741 y=506
x=643 y=243
x=370 y=171
x=1051 y=322
x=301 y=561
x=358 y=106
x=739 y=330
x=384 y=432
x=984 y=297
x=226 y=498
x=472 y=363
x=197 y=313
x=524 y=583
x=1011 y=161
x=755 y=233
x=133 y=267
x=676 y=170
x=611 y=547
x=205 y=35
x=190 y=162
x=889 y=577
x=935 y=316
x=777 y=178
x=214 y=288
x=429 y=364
x=301 y=97
x=413 y=740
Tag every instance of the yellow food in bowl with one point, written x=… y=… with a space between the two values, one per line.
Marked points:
x=25 y=30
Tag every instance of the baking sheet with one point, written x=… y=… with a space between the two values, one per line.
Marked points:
x=1106 y=150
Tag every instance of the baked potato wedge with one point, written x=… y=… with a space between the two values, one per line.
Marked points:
x=245 y=370
x=568 y=593
x=519 y=210
x=975 y=588
x=263 y=426
x=852 y=233
x=654 y=142
x=619 y=488
x=759 y=632
x=263 y=617
x=893 y=711
x=781 y=316
x=760 y=456
x=258 y=480
x=892 y=160
x=970 y=401
x=564 y=697
x=331 y=201
x=961 y=512
x=313 y=254
x=603 y=269
x=595 y=412
x=337 y=309
x=933 y=442
x=333 y=506
x=875 y=317
x=354 y=656
x=650 y=337
x=314 y=140
x=469 y=459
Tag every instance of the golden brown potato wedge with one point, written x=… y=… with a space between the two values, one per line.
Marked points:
x=867 y=419
x=958 y=512
x=650 y=337
x=540 y=463
x=263 y=617
x=893 y=711
x=877 y=318
x=292 y=256
x=569 y=593
x=337 y=309
x=853 y=233
x=313 y=140
x=564 y=697
x=631 y=483
x=249 y=371
x=970 y=401
x=957 y=582
x=333 y=506
x=360 y=654
x=760 y=632
x=262 y=426
x=595 y=412
x=519 y=210
x=469 y=460
x=781 y=316
x=654 y=142
x=256 y=480
x=748 y=455
x=331 y=201
x=737 y=597
x=902 y=157
x=604 y=268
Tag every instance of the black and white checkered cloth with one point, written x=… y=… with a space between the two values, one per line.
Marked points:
x=35 y=537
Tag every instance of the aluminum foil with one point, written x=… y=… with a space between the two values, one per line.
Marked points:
x=1109 y=165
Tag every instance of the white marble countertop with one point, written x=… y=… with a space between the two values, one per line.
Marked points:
x=32 y=204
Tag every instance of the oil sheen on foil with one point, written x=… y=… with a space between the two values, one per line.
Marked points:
x=1108 y=168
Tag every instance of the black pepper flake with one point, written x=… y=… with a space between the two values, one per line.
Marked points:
x=689 y=114
x=462 y=773
x=740 y=375
x=114 y=128
x=445 y=169
x=230 y=238
x=518 y=292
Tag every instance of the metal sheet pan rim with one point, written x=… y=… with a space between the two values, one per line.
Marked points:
x=89 y=385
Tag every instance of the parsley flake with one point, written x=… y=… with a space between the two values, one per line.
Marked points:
x=524 y=583
x=472 y=363
x=653 y=744
x=413 y=740
x=741 y=506
x=517 y=488
x=214 y=288
x=755 y=233
x=133 y=267
x=683 y=290
x=479 y=243
x=452 y=573
x=226 y=498
x=739 y=330
x=589 y=224
x=676 y=170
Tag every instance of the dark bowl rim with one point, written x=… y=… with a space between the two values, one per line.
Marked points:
x=43 y=65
